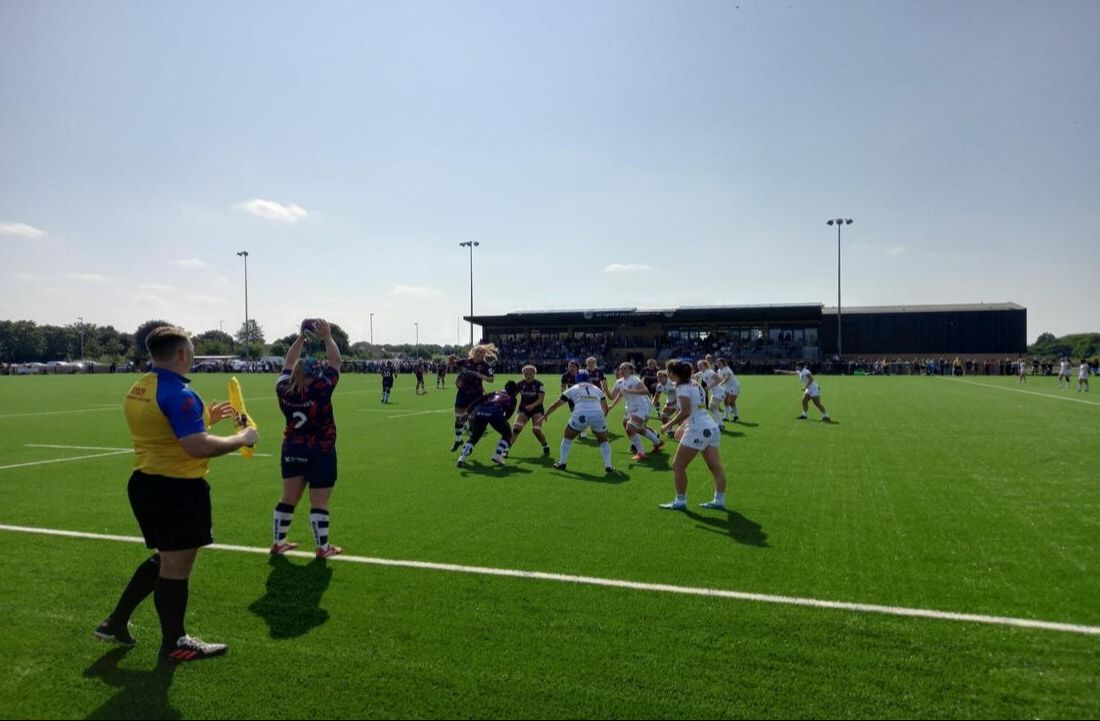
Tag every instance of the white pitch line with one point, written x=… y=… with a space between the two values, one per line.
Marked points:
x=58 y=413
x=629 y=585
x=64 y=460
x=98 y=448
x=76 y=448
x=1021 y=390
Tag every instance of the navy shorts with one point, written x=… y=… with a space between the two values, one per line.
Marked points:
x=537 y=411
x=319 y=469
x=465 y=398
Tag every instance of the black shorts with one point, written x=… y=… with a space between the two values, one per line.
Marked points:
x=319 y=469
x=480 y=422
x=173 y=513
x=538 y=411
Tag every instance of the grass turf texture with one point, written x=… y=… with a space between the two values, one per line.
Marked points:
x=927 y=493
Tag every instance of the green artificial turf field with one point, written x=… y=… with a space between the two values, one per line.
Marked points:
x=928 y=493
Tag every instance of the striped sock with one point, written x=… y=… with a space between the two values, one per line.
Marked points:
x=318 y=521
x=284 y=514
x=502 y=449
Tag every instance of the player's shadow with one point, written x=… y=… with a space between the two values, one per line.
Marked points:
x=611 y=478
x=746 y=424
x=656 y=462
x=291 y=606
x=142 y=694
x=739 y=528
x=474 y=468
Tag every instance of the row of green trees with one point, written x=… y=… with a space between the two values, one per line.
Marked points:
x=1075 y=345
x=24 y=341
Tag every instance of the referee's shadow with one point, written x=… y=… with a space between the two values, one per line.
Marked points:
x=141 y=693
x=291 y=606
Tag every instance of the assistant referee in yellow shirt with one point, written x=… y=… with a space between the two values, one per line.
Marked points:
x=168 y=492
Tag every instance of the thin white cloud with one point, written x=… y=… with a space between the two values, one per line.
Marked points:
x=156 y=287
x=896 y=250
x=417 y=291
x=147 y=299
x=193 y=263
x=615 y=268
x=87 y=277
x=21 y=230
x=272 y=210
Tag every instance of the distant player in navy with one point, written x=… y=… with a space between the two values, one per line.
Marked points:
x=472 y=374
x=649 y=377
x=304 y=390
x=596 y=375
x=569 y=377
x=492 y=409
x=421 y=389
x=388 y=374
x=441 y=375
x=532 y=393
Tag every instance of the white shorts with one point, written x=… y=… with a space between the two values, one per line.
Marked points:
x=1082 y=377
x=701 y=438
x=733 y=390
x=813 y=390
x=718 y=394
x=588 y=419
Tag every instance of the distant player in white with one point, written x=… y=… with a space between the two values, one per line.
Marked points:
x=631 y=388
x=732 y=388
x=699 y=433
x=667 y=387
x=1063 y=374
x=1083 y=376
x=708 y=378
x=589 y=406
x=810 y=391
x=1021 y=371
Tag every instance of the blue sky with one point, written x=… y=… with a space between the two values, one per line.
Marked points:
x=603 y=154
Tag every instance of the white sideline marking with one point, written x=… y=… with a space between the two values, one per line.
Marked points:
x=1021 y=390
x=64 y=460
x=631 y=585
x=59 y=413
x=110 y=452
x=76 y=448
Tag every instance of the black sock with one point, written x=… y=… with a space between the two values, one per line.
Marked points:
x=141 y=585
x=170 y=598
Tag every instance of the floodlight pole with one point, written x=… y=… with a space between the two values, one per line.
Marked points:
x=247 y=330
x=471 y=244
x=839 y=313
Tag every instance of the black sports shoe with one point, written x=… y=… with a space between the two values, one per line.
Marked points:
x=559 y=466
x=456 y=446
x=546 y=450
x=108 y=633
x=610 y=469
x=188 y=648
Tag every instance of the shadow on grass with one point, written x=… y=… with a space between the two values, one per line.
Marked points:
x=475 y=468
x=731 y=523
x=142 y=694
x=612 y=478
x=291 y=605
x=746 y=424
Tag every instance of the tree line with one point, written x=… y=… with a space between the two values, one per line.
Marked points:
x=24 y=341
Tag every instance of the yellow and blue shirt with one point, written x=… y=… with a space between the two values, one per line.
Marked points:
x=161 y=409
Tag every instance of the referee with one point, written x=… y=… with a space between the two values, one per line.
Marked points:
x=168 y=494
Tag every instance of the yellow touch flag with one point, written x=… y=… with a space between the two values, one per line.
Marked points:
x=236 y=399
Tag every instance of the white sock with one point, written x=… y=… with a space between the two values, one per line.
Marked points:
x=735 y=413
x=636 y=443
x=319 y=522
x=717 y=418
x=652 y=436
x=281 y=525
x=824 y=413
x=566 y=443
x=605 y=451
x=803 y=414
x=681 y=498
x=720 y=498
x=502 y=449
